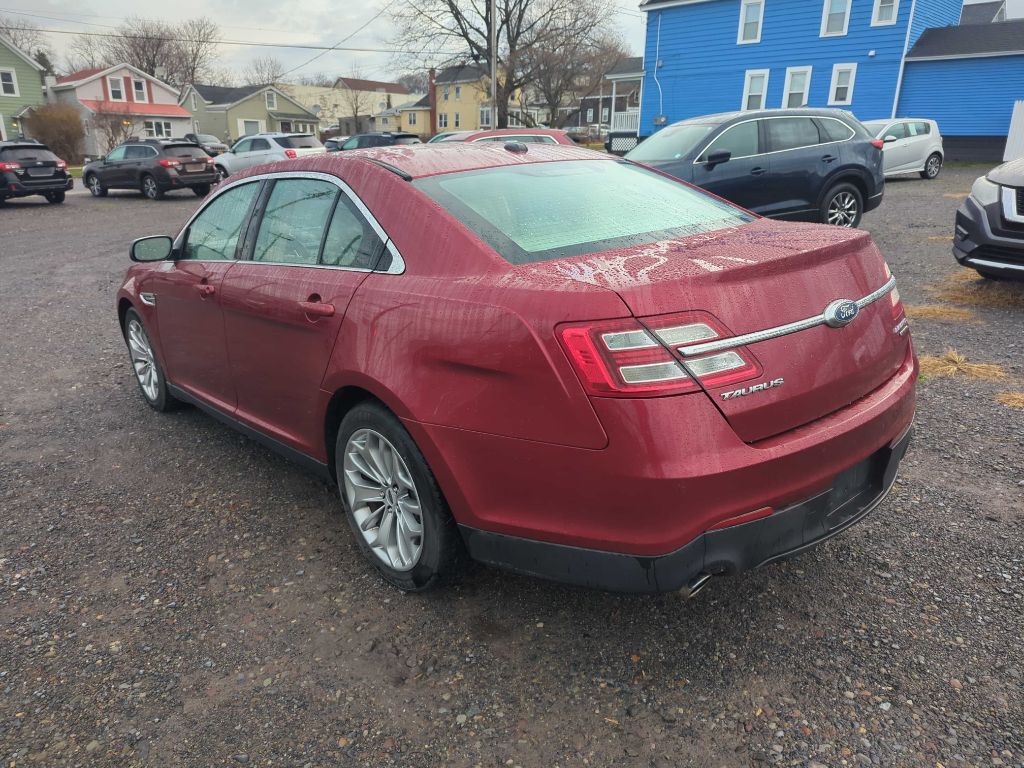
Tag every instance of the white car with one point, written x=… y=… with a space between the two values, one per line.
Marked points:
x=266 y=148
x=911 y=146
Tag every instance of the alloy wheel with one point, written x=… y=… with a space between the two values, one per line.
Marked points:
x=94 y=186
x=143 y=360
x=149 y=188
x=933 y=167
x=842 y=210
x=382 y=496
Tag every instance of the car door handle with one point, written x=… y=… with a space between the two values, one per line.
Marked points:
x=759 y=171
x=205 y=289
x=828 y=158
x=317 y=308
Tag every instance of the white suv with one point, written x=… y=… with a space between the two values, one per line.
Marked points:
x=266 y=148
x=911 y=146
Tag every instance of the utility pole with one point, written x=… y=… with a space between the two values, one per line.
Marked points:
x=494 y=63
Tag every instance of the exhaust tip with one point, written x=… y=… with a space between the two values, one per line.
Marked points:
x=696 y=585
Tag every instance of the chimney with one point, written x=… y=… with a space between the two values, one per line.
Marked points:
x=49 y=81
x=432 y=97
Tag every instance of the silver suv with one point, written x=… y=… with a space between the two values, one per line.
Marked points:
x=266 y=148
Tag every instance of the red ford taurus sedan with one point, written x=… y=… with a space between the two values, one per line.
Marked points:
x=558 y=362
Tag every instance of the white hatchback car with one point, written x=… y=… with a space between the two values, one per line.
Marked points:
x=266 y=148
x=911 y=146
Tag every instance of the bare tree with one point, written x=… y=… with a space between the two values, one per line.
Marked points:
x=24 y=34
x=143 y=43
x=263 y=70
x=354 y=103
x=112 y=125
x=84 y=52
x=416 y=82
x=458 y=29
x=196 y=51
x=564 y=74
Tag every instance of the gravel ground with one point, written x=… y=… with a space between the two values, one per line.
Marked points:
x=175 y=595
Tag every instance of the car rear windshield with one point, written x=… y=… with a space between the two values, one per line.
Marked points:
x=27 y=154
x=671 y=143
x=185 y=151
x=298 y=142
x=543 y=211
x=207 y=138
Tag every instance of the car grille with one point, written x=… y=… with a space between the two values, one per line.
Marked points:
x=1020 y=201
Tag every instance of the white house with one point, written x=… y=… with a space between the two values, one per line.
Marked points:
x=124 y=98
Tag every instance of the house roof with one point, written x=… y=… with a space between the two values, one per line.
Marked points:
x=224 y=94
x=423 y=103
x=135 y=108
x=358 y=84
x=1003 y=38
x=647 y=5
x=980 y=13
x=6 y=41
x=463 y=73
x=81 y=74
x=632 y=65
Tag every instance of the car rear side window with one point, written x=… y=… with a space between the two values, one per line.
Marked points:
x=213 y=234
x=259 y=145
x=834 y=130
x=919 y=129
x=138 y=152
x=351 y=241
x=185 y=152
x=298 y=142
x=739 y=140
x=791 y=133
x=293 y=223
x=542 y=211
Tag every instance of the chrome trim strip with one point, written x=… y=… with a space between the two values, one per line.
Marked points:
x=995 y=264
x=1010 y=211
x=781 y=330
x=711 y=143
x=397 y=262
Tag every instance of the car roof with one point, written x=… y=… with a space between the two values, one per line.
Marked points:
x=725 y=117
x=22 y=144
x=421 y=160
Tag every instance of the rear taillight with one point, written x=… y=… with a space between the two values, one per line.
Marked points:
x=895 y=303
x=61 y=165
x=877 y=143
x=291 y=153
x=168 y=163
x=627 y=358
x=10 y=167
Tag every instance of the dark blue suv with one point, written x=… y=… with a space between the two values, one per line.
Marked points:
x=805 y=164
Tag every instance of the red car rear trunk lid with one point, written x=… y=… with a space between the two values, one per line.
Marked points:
x=759 y=277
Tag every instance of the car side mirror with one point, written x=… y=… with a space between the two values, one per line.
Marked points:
x=719 y=157
x=889 y=139
x=154 y=248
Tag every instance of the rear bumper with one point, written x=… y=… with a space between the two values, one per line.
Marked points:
x=192 y=180
x=853 y=494
x=875 y=200
x=12 y=187
x=983 y=240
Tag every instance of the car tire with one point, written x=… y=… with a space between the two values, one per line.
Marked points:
x=201 y=190
x=149 y=374
x=842 y=206
x=932 y=166
x=95 y=186
x=222 y=172
x=382 y=476
x=55 y=198
x=149 y=188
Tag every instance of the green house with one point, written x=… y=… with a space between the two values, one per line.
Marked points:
x=230 y=113
x=21 y=88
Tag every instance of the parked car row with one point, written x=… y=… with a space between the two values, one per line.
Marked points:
x=152 y=166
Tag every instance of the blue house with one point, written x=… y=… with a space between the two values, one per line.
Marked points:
x=707 y=56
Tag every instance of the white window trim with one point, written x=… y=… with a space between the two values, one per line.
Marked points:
x=260 y=124
x=120 y=86
x=836 y=68
x=746 y=87
x=895 y=14
x=195 y=101
x=3 y=128
x=760 y=22
x=267 y=97
x=14 y=81
x=145 y=96
x=790 y=71
x=824 y=19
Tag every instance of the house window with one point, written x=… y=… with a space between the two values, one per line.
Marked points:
x=457 y=121
x=840 y=92
x=158 y=129
x=249 y=127
x=271 y=100
x=485 y=116
x=286 y=126
x=751 y=16
x=9 y=82
x=835 y=18
x=195 y=101
x=384 y=121
x=445 y=95
x=412 y=118
x=798 y=86
x=590 y=115
x=442 y=120
x=885 y=12
x=116 y=88
x=755 y=88
x=139 y=87
x=458 y=91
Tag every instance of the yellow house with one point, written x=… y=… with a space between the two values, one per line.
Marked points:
x=463 y=96
x=414 y=117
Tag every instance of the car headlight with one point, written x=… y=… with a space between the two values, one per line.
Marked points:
x=985 y=192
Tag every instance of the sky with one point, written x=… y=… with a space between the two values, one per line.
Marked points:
x=319 y=22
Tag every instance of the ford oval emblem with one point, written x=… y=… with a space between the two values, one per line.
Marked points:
x=841 y=313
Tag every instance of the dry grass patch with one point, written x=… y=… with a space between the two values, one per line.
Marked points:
x=940 y=312
x=965 y=286
x=1011 y=399
x=954 y=364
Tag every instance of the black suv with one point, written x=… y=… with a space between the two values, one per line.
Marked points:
x=210 y=143
x=804 y=164
x=152 y=166
x=30 y=168
x=382 y=139
x=989 y=235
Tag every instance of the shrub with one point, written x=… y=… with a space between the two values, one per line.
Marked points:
x=58 y=126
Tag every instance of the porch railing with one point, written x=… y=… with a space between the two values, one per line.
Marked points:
x=626 y=121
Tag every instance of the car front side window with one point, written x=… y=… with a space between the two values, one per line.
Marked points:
x=213 y=234
x=738 y=140
x=243 y=146
x=293 y=224
x=117 y=154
